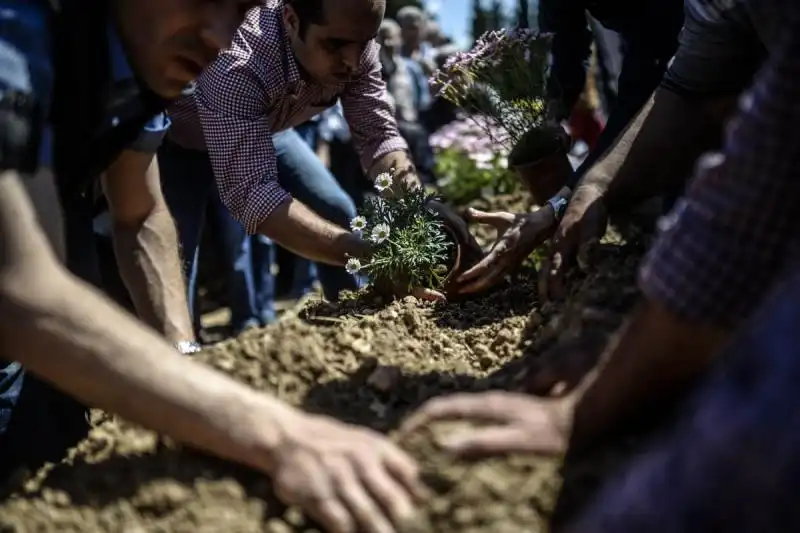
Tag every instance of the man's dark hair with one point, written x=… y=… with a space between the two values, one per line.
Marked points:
x=308 y=12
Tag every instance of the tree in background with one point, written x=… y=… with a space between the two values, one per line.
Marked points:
x=393 y=6
x=480 y=19
x=523 y=14
x=483 y=19
x=497 y=15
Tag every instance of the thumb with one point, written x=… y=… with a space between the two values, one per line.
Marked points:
x=497 y=219
x=429 y=295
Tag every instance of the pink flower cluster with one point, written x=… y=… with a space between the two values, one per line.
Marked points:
x=468 y=135
x=503 y=77
x=464 y=68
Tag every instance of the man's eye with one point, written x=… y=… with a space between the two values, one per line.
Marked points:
x=336 y=44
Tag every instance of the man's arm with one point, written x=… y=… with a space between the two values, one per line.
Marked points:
x=643 y=67
x=656 y=151
x=105 y=357
x=715 y=60
x=146 y=244
x=570 y=49
x=232 y=105
x=721 y=251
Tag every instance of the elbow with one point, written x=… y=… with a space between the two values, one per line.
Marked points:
x=153 y=214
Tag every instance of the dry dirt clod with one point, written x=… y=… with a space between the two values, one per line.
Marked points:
x=384 y=378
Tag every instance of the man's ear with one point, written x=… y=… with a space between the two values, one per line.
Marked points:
x=291 y=21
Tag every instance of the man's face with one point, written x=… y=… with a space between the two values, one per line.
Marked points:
x=412 y=33
x=170 y=42
x=331 y=52
x=389 y=38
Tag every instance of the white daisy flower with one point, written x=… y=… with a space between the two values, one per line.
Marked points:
x=383 y=181
x=380 y=233
x=358 y=223
x=352 y=266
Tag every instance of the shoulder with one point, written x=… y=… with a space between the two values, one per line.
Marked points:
x=254 y=59
x=370 y=59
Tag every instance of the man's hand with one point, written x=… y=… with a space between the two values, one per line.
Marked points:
x=348 y=478
x=518 y=236
x=520 y=423
x=583 y=225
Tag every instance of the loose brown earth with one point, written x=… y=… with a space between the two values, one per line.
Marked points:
x=361 y=361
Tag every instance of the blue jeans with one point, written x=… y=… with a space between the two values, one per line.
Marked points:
x=188 y=184
x=305 y=270
x=250 y=283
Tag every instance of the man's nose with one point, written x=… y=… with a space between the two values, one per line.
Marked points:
x=351 y=59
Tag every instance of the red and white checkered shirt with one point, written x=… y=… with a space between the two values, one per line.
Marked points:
x=255 y=89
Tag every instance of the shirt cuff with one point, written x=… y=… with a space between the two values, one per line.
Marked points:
x=387 y=146
x=261 y=202
x=152 y=135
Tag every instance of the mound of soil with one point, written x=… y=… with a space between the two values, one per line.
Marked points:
x=362 y=361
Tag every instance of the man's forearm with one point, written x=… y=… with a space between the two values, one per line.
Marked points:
x=299 y=229
x=119 y=365
x=656 y=355
x=656 y=152
x=65 y=332
x=149 y=264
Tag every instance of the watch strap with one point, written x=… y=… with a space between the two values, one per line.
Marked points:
x=559 y=205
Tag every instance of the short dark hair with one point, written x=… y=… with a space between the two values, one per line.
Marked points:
x=308 y=12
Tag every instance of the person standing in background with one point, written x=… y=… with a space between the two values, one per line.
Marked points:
x=411 y=97
x=414 y=33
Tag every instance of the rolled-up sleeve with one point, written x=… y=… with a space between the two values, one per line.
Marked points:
x=232 y=104
x=729 y=239
x=369 y=114
x=152 y=134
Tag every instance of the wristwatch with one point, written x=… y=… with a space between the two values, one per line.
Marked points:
x=559 y=205
x=188 y=347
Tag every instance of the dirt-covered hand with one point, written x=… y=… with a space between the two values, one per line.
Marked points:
x=347 y=478
x=562 y=368
x=517 y=236
x=583 y=225
x=518 y=423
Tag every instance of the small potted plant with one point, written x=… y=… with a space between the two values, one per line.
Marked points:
x=413 y=243
x=503 y=79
